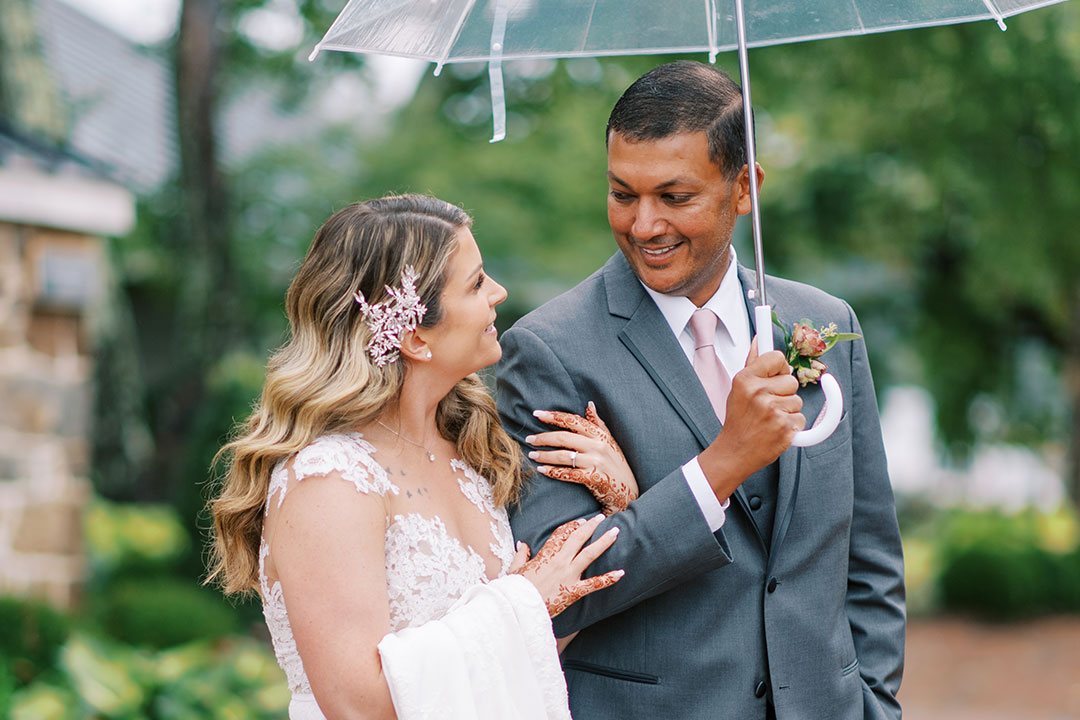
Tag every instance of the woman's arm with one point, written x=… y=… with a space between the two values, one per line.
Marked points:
x=327 y=548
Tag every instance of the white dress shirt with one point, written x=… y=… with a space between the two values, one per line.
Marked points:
x=732 y=343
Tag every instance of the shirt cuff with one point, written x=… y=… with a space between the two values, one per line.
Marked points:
x=711 y=507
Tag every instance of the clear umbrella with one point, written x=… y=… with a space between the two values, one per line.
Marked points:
x=449 y=31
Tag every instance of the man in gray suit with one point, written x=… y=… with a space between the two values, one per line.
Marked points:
x=762 y=580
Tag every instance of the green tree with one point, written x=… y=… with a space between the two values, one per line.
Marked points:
x=939 y=168
x=188 y=273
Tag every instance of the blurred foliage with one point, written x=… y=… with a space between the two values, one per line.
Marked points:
x=993 y=565
x=31 y=634
x=142 y=589
x=145 y=644
x=162 y=612
x=95 y=678
x=130 y=539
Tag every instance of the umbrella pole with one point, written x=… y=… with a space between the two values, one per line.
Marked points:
x=751 y=153
x=829 y=418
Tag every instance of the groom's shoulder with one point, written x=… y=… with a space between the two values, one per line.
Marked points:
x=571 y=310
x=812 y=301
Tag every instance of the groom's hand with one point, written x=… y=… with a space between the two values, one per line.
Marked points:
x=763 y=415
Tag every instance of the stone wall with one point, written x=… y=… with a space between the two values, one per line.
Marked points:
x=49 y=284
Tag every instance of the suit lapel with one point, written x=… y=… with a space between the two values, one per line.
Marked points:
x=648 y=337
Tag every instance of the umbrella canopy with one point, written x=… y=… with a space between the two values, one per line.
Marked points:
x=447 y=31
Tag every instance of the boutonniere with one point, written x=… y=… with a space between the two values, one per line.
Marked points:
x=804 y=345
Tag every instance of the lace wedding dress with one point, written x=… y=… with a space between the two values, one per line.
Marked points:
x=428 y=570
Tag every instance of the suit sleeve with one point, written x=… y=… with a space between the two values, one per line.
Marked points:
x=875 y=596
x=664 y=539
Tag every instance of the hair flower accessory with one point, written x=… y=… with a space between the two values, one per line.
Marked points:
x=804 y=345
x=390 y=319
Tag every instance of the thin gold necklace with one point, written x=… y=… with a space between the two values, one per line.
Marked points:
x=430 y=455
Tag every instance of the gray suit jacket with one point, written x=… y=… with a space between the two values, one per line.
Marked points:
x=693 y=629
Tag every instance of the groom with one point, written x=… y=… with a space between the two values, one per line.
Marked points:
x=762 y=580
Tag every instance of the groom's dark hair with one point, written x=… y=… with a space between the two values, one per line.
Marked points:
x=685 y=96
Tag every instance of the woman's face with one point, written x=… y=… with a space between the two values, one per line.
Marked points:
x=465 y=340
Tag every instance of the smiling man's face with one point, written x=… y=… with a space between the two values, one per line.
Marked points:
x=673 y=212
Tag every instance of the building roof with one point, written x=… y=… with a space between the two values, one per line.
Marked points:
x=122 y=99
x=48 y=186
x=120 y=95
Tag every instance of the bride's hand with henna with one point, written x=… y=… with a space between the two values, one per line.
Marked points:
x=587 y=454
x=556 y=570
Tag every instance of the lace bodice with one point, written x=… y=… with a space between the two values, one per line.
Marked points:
x=427 y=568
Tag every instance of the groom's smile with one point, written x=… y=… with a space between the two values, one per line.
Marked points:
x=672 y=212
x=658 y=255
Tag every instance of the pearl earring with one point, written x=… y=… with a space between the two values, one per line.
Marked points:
x=428 y=354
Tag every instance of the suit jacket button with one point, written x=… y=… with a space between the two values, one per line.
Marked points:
x=772 y=584
x=759 y=691
x=755 y=503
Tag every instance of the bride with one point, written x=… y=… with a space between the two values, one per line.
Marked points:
x=365 y=496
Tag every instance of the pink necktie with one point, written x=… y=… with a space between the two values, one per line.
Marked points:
x=714 y=378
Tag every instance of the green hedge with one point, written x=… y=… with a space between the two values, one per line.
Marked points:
x=161 y=612
x=1007 y=567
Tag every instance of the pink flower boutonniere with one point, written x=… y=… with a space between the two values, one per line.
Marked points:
x=804 y=345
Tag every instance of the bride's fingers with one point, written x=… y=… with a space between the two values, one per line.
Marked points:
x=573 y=475
x=580 y=536
x=594 y=417
x=591 y=585
x=595 y=549
x=561 y=439
x=568 y=595
x=556 y=541
x=606 y=437
x=568 y=458
x=520 y=557
x=569 y=421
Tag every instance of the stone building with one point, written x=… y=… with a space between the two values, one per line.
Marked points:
x=54 y=211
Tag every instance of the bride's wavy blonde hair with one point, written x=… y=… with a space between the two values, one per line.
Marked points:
x=323 y=380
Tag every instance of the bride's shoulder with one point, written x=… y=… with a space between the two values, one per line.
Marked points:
x=347 y=456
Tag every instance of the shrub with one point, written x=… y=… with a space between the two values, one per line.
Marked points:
x=7 y=687
x=161 y=612
x=31 y=634
x=1003 y=567
x=131 y=540
x=232 y=677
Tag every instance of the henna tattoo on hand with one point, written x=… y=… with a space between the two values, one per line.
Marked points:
x=613 y=495
x=568 y=595
x=551 y=547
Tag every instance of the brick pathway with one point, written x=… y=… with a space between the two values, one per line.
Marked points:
x=964 y=670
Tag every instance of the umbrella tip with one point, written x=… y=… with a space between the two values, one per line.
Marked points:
x=314 y=54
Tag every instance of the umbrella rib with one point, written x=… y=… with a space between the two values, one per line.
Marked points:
x=995 y=12
x=453 y=37
x=858 y=15
x=588 y=26
x=710 y=23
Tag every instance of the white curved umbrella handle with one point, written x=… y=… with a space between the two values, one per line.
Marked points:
x=834 y=399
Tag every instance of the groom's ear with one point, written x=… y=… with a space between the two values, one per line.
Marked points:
x=741 y=191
